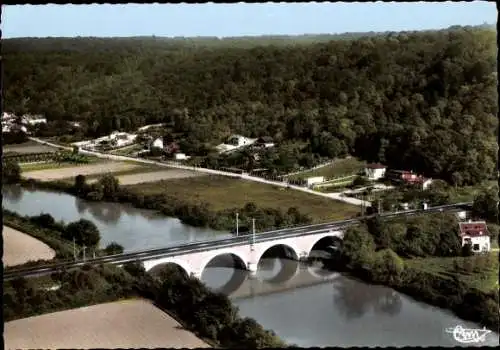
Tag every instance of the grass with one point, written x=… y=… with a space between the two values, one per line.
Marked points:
x=467 y=193
x=125 y=151
x=25 y=167
x=484 y=277
x=139 y=170
x=340 y=168
x=226 y=193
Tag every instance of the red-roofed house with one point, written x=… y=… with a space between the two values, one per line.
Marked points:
x=476 y=234
x=409 y=177
x=375 y=171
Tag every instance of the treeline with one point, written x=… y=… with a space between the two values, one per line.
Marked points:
x=107 y=188
x=374 y=252
x=209 y=315
x=423 y=101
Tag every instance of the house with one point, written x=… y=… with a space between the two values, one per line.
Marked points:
x=157 y=143
x=235 y=142
x=180 y=156
x=409 y=178
x=375 y=171
x=476 y=234
x=310 y=181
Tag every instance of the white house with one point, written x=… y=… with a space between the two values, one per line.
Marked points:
x=235 y=142
x=158 y=143
x=314 y=180
x=476 y=234
x=375 y=171
x=180 y=156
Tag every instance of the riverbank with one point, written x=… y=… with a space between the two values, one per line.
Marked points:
x=198 y=213
x=20 y=248
x=122 y=324
x=464 y=285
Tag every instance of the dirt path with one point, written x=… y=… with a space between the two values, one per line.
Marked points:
x=90 y=169
x=19 y=248
x=134 y=179
x=123 y=324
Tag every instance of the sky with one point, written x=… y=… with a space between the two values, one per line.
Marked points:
x=241 y=19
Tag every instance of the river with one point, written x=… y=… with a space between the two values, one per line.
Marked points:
x=306 y=306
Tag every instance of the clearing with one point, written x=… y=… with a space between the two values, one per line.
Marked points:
x=477 y=271
x=19 y=248
x=28 y=147
x=226 y=193
x=154 y=176
x=339 y=168
x=123 y=324
x=83 y=169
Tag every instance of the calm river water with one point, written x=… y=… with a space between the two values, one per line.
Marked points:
x=304 y=305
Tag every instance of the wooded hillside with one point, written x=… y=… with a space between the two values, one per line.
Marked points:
x=421 y=101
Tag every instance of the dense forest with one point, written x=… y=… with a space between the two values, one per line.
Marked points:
x=423 y=101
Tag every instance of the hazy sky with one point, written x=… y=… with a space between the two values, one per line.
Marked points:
x=238 y=19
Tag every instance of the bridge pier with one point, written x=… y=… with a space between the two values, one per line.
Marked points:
x=252 y=268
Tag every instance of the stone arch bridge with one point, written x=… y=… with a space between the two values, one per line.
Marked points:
x=248 y=254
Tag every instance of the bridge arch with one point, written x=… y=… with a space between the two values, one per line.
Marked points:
x=239 y=260
x=328 y=242
x=156 y=265
x=290 y=251
x=227 y=259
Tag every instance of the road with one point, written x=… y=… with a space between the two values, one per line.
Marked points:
x=170 y=164
x=199 y=246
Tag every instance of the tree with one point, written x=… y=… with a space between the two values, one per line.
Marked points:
x=11 y=171
x=485 y=205
x=110 y=186
x=80 y=184
x=84 y=232
x=358 y=246
x=113 y=248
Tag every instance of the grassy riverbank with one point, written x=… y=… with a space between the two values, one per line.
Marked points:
x=210 y=316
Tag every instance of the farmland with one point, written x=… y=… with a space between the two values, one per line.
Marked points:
x=226 y=193
x=122 y=324
x=339 y=168
x=20 y=248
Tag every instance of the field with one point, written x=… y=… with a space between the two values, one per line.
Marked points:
x=28 y=147
x=484 y=278
x=60 y=173
x=340 y=168
x=123 y=324
x=154 y=174
x=467 y=193
x=226 y=193
x=20 y=248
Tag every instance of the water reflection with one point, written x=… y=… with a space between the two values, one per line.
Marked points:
x=104 y=212
x=353 y=301
x=12 y=193
x=133 y=228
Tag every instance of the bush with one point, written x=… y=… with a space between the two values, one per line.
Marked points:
x=84 y=232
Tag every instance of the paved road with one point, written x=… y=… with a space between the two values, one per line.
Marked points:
x=335 y=196
x=198 y=246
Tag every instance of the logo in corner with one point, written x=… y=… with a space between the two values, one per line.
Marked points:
x=468 y=335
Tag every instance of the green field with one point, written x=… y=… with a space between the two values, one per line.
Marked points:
x=467 y=193
x=340 y=168
x=484 y=276
x=226 y=193
x=25 y=167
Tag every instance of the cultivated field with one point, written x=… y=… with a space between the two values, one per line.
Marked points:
x=84 y=169
x=226 y=193
x=153 y=176
x=340 y=168
x=123 y=324
x=28 y=147
x=19 y=248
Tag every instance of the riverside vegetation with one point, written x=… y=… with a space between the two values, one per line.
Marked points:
x=209 y=315
x=425 y=101
x=423 y=258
